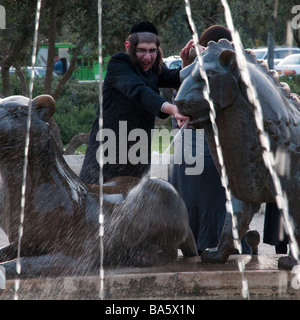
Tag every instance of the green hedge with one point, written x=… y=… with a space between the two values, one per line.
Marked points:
x=75 y=108
x=293 y=82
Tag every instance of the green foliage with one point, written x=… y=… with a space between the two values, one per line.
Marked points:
x=77 y=22
x=76 y=120
x=75 y=109
x=293 y=82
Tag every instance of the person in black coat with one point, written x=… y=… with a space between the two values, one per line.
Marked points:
x=273 y=229
x=203 y=194
x=131 y=101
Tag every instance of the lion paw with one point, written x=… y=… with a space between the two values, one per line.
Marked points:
x=286 y=262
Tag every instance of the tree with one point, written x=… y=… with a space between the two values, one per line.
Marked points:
x=16 y=39
x=80 y=18
x=76 y=21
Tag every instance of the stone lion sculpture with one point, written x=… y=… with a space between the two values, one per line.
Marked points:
x=248 y=177
x=145 y=222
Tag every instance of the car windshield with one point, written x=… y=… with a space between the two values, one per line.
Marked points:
x=293 y=59
x=280 y=54
x=259 y=53
x=175 y=64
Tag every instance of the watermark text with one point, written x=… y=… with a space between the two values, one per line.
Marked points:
x=133 y=147
x=296 y=18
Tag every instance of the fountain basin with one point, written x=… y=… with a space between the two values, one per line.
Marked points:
x=182 y=279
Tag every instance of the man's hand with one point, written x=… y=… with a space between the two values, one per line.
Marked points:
x=188 y=53
x=184 y=53
x=173 y=110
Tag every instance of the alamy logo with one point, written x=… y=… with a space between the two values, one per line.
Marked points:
x=2 y=18
x=296 y=19
x=2 y=278
x=133 y=147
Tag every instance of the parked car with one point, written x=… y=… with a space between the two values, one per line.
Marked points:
x=173 y=62
x=289 y=65
x=39 y=72
x=279 y=53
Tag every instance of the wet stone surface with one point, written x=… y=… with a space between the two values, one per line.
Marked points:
x=182 y=279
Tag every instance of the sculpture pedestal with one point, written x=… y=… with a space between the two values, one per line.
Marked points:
x=183 y=279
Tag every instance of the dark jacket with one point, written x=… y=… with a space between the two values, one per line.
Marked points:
x=130 y=95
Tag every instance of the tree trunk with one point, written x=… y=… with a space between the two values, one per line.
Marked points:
x=10 y=58
x=23 y=82
x=51 y=47
x=6 y=88
x=271 y=49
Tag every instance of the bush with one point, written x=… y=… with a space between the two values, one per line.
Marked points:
x=293 y=82
x=75 y=108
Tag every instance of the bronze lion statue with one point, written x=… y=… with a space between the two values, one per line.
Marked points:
x=145 y=221
x=248 y=177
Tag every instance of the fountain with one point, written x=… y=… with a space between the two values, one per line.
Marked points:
x=68 y=265
x=178 y=278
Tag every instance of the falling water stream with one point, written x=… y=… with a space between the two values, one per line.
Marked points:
x=101 y=214
x=178 y=134
x=27 y=141
x=224 y=179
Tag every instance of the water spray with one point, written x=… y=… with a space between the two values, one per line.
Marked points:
x=178 y=134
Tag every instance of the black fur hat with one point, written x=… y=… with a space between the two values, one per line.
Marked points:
x=214 y=33
x=144 y=26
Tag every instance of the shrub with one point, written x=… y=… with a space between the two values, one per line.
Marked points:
x=75 y=109
x=293 y=82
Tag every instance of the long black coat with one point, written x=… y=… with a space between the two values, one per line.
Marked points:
x=130 y=95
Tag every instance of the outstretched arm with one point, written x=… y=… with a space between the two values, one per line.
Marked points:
x=173 y=110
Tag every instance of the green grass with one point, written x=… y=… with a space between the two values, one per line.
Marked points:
x=81 y=149
x=160 y=142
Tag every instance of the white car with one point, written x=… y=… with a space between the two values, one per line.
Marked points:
x=279 y=53
x=289 y=65
x=39 y=72
x=173 y=62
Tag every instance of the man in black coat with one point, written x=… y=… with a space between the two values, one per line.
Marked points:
x=131 y=101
